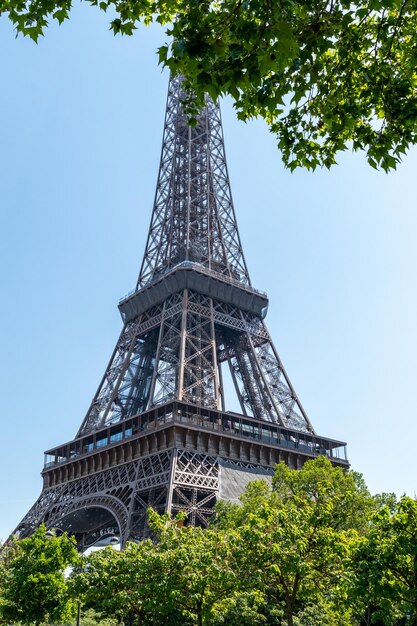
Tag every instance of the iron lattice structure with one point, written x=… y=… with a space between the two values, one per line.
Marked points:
x=158 y=431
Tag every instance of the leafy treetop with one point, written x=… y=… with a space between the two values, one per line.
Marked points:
x=34 y=586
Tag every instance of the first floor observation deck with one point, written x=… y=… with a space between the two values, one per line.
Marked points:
x=186 y=426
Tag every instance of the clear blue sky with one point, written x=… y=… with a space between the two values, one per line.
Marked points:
x=81 y=118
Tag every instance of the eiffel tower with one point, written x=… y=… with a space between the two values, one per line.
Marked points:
x=158 y=431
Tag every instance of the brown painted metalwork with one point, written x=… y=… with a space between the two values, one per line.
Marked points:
x=158 y=431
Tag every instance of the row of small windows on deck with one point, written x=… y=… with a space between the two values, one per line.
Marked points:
x=268 y=433
x=105 y=441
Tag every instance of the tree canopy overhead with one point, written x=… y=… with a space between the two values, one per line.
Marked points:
x=326 y=75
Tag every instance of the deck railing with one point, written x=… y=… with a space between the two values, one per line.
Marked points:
x=229 y=424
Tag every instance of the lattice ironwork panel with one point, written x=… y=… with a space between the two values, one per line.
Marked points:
x=154 y=470
x=195 y=469
x=124 y=389
x=157 y=498
x=116 y=485
x=262 y=385
x=196 y=502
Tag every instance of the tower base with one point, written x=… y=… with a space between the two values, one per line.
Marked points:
x=175 y=457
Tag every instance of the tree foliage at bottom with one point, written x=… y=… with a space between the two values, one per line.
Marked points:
x=313 y=548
